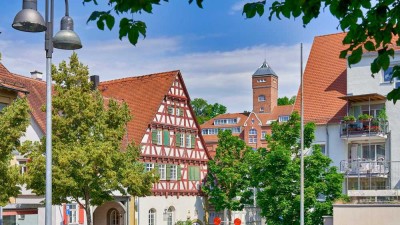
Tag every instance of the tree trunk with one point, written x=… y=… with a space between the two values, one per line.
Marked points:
x=88 y=214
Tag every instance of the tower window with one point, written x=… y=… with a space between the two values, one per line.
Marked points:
x=261 y=98
x=261 y=109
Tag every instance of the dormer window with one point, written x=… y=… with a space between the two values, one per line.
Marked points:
x=283 y=118
x=225 y=121
x=2 y=106
x=261 y=98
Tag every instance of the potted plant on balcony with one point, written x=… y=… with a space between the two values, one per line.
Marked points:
x=349 y=119
x=375 y=125
x=382 y=114
x=364 y=117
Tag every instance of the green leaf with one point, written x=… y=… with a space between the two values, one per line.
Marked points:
x=110 y=21
x=133 y=35
x=369 y=46
x=394 y=95
x=94 y=16
x=343 y=54
x=355 y=56
x=100 y=24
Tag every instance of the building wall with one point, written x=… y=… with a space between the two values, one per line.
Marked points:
x=329 y=134
x=366 y=214
x=359 y=81
x=269 y=88
x=185 y=207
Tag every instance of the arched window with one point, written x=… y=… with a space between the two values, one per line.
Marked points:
x=253 y=136
x=113 y=217
x=152 y=217
x=261 y=98
x=170 y=215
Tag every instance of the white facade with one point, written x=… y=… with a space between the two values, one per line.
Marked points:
x=370 y=160
x=172 y=207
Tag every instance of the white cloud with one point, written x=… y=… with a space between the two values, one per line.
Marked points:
x=217 y=76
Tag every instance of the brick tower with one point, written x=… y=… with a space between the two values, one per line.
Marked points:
x=265 y=89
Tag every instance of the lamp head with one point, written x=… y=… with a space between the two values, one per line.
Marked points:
x=29 y=19
x=66 y=38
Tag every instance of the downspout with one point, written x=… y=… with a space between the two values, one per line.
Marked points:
x=138 y=210
x=327 y=140
x=128 y=214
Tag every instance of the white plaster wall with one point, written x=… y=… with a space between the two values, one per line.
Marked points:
x=359 y=81
x=184 y=206
x=330 y=136
x=33 y=132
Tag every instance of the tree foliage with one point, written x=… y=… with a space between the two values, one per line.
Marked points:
x=370 y=26
x=277 y=172
x=286 y=101
x=14 y=119
x=205 y=111
x=228 y=182
x=88 y=135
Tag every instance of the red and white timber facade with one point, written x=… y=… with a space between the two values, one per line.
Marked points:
x=172 y=145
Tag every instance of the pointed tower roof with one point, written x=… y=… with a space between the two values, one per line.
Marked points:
x=264 y=69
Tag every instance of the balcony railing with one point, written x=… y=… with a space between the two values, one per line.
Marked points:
x=373 y=127
x=362 y=168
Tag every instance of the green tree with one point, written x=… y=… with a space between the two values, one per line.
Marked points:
x=228 y=183
x=276 y=172
x=205 y=111
x=286 y=101
x=88 y=136
x=14 y=119
x=370 y=25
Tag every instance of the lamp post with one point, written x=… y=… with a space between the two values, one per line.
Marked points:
x=30 y=20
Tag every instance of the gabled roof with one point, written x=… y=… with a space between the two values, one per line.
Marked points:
x=37 y=93
x=325 y=80
x=143 y=94
x=264 y=70
x=280 y=110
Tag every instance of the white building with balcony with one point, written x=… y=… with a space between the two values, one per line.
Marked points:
x=357 y=127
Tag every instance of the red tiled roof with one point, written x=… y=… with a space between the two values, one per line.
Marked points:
x=37 y=93
x=325 y=80
x=143 y=94
x=280 y=110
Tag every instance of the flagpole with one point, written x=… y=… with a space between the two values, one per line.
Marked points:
x=302 y=141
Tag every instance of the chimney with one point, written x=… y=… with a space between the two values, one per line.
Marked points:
x=95 y=79
x=36 y=75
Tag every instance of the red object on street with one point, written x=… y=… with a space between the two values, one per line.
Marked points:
x=217 y=220
x=237 y=221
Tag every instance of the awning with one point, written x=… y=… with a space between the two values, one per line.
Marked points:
x=363 y=98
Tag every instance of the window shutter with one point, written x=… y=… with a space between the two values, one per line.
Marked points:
x=190 y=173
x=197 y=172
x=181 y=112
x=178 y=139
x=154 y=136
x=168 y=173
x=166 y=137
x=178 y=172
x=81 y=214
x=170 y=110
x=193 y=140
x=65 y=216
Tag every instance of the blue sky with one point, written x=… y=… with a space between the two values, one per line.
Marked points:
x=216 y=48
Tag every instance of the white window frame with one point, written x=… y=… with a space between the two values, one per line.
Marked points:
x=252 y=131
x=263 y=134
x=22 y=166
x=188 y=140
x=283 y=118
x=162 y=170
x=173 y=172
x=152 y=216
x=73 y=213
x=182 y=140
x=149 y=166
x=159 y=136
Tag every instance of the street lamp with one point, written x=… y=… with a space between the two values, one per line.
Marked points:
x=30 y=20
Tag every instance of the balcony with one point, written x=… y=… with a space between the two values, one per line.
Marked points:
x=374 y=129
x=360 y=168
